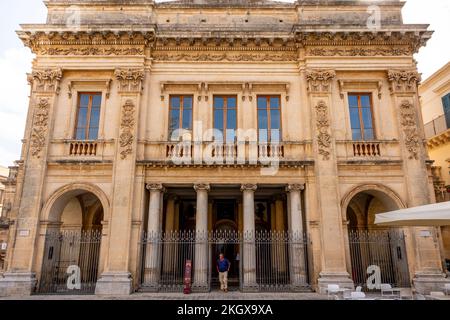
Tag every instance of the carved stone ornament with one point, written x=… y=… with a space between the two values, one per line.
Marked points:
x=130 y=80
x=403 y=81
x=409 y=124
x=40 y=127
x=323 y=125
x=46 y=80
x=249 y=187
x=202 y=186
x=225 y=56
x=295 y=187
x=127 y=128
x=320 y=81
x=359 y=51
x=155 y=187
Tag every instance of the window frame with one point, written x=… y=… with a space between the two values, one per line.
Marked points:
x=225 y=98
x=361 y=120
x=181 y=111
x=91 y=94
x=269 y=119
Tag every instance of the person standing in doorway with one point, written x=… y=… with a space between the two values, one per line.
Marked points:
x=223 y=267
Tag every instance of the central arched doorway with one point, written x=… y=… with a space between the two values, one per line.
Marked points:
x=370 y=245
x=70 y=263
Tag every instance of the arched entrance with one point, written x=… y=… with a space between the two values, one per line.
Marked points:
x=70 y=263
x=371 y=245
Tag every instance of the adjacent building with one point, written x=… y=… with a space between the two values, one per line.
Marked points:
x=4 y=224
x=162 y=134
x=435 y=101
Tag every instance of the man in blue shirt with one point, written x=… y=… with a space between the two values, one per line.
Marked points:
x=223 y=267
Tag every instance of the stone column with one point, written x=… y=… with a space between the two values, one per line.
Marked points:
x=320 y=85
x=249 y=254
x=152 y=257
x=297 y=245
x=423 y=243
x=201 y=245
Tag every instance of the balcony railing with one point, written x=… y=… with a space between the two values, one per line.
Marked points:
x=366 y=149
x=437 y=126
x=83 y=148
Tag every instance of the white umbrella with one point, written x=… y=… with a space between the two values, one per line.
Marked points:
x=437 y=214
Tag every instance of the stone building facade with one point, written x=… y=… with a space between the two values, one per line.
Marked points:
x=316 y=109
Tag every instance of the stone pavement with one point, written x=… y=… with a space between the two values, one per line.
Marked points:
x=214 y=295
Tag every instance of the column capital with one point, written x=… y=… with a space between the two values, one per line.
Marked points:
x=249 y=187
x=202 y=186
x=295 y=187
x=155 y=187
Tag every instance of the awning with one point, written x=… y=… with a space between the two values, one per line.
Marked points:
x=437 y=214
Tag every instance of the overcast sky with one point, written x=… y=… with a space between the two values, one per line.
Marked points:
x=15 y=60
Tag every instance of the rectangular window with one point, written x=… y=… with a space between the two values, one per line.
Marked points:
x=446 y=105
x=88 y=118
x=180 y=114
x=225 y=117
x=361 y=120
x=269 y=119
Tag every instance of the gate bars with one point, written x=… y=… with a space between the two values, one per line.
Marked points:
x=70 y=253
x=281 y=260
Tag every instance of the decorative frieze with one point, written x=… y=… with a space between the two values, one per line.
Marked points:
x=46 y=80
x=225 y=56
x=319 y=81
x=359 y=51
x=130 y=80
x=409 y=124
x=323 y=127
x=127 y=128
x=91 y=51
x=403 y=81
x=40 y=127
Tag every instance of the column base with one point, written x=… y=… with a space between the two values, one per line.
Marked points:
x=114 y=283
x=341 y=278
x=16 y=284
x=424 y=283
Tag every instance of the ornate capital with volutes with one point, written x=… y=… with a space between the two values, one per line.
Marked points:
x=155 y=187
x=295 y=187
x=130 y=80
x=319 y=81
x=46 y=80
x=249 y=187
x=202 y=187
x=402 y=81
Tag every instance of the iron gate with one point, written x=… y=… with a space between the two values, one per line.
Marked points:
x=70 y=264
x=281 y=260
x=383 y=248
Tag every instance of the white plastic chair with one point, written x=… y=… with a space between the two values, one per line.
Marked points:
x=358 y=295
x=333 y=290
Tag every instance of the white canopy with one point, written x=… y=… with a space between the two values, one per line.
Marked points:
x=437 y=214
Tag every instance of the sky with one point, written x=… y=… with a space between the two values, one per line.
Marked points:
x=15 y=60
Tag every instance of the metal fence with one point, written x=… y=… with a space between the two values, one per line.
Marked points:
x=280 y=260
x=383 y=248
x=70 y=263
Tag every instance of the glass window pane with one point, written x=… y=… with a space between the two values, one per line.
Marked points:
x=274 y=102
x=262 y=103
x=218 y=102
x=353 y=101
x=93 y=133
x=365 y=101
x=367 y=118
x=82 y=117
x=187 y=102
x=187 y=119
x=84 y=100
x=354 y=118
x=231 y=119
x=275 y=121
x=97 y=101
x=263 y=133
x=275 y=135
x=175 y=102
x=262 y=119
x=95 y=117
x=368 y=134
x=231 y=135
x=231 y=102
x=356 y=134
x=174 y=122
x=218 y=119
x=80 y=134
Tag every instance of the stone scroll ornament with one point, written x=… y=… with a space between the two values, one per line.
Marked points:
x=323 y=126
x=411 y=135
x=126 y=129
x=40 y=127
